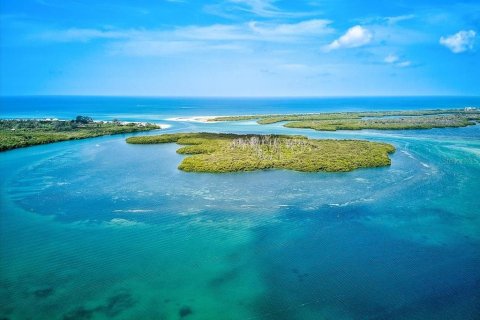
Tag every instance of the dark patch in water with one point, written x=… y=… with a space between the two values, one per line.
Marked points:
x=80 y=313
x=300 y=276
x=451 y=303
x=43 y=293
x=224 y=278
x=185 y=311
x=234 y=256
x=117 y=304
x=270 y=308
x=347 y=269
x=113 y=307
x=5 y=311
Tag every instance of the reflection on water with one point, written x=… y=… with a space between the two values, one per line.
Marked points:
x=100 y=229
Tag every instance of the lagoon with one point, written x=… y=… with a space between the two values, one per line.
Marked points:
x=99 y=228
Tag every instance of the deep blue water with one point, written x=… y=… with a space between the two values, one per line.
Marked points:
x=99 y=229
x=130 y=108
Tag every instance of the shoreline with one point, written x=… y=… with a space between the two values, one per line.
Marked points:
x=201 y=119
x=375 y=120
x=16 y=134
x=224 y=153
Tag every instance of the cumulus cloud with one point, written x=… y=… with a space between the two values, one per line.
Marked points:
x=459 y=42
x=355 y=37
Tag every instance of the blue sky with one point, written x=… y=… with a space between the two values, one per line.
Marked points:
x=240 y=47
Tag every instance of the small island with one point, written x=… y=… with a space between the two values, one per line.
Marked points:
x=381 y=120
x=219 y=153
x=19 y=133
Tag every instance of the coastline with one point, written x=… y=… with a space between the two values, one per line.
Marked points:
x=223 y=153
x=201 y=119
x=376 y=120
x=21 y=133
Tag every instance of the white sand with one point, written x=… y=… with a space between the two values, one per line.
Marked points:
x=203 y=119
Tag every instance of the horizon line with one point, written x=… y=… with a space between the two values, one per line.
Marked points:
x=238 y=97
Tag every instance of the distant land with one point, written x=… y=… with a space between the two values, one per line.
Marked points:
x=23 y=133
x=18 y=133
x=381 y=120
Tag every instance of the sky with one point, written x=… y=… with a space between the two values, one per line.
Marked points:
x=240 y=48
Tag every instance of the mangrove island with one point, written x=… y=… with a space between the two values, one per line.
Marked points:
x=217 y=153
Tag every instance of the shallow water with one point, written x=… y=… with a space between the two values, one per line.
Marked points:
x=99 y=229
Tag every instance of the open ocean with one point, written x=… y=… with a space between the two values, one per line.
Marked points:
x=100 y=229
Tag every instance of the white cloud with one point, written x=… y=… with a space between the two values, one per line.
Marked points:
x=264 y=8
x=232 y=37
x=355 y=37
x=144 y=48
x=216 y=32
x=83 y=35
x=252 y=31
x=395 y=60
x=404 y=64
x=301 y=29
x=391 y=58
x=261 y=8
x=459 y=42
x=396 y=19
x=382 y=20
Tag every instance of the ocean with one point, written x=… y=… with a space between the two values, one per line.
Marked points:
x=131 y=108
x=100 y=229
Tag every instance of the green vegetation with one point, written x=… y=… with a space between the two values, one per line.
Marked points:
x=213 y=152
x=382 y=120
x=23 y=133
x=425 y=122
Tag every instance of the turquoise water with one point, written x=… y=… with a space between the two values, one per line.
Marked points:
x=99 y=229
